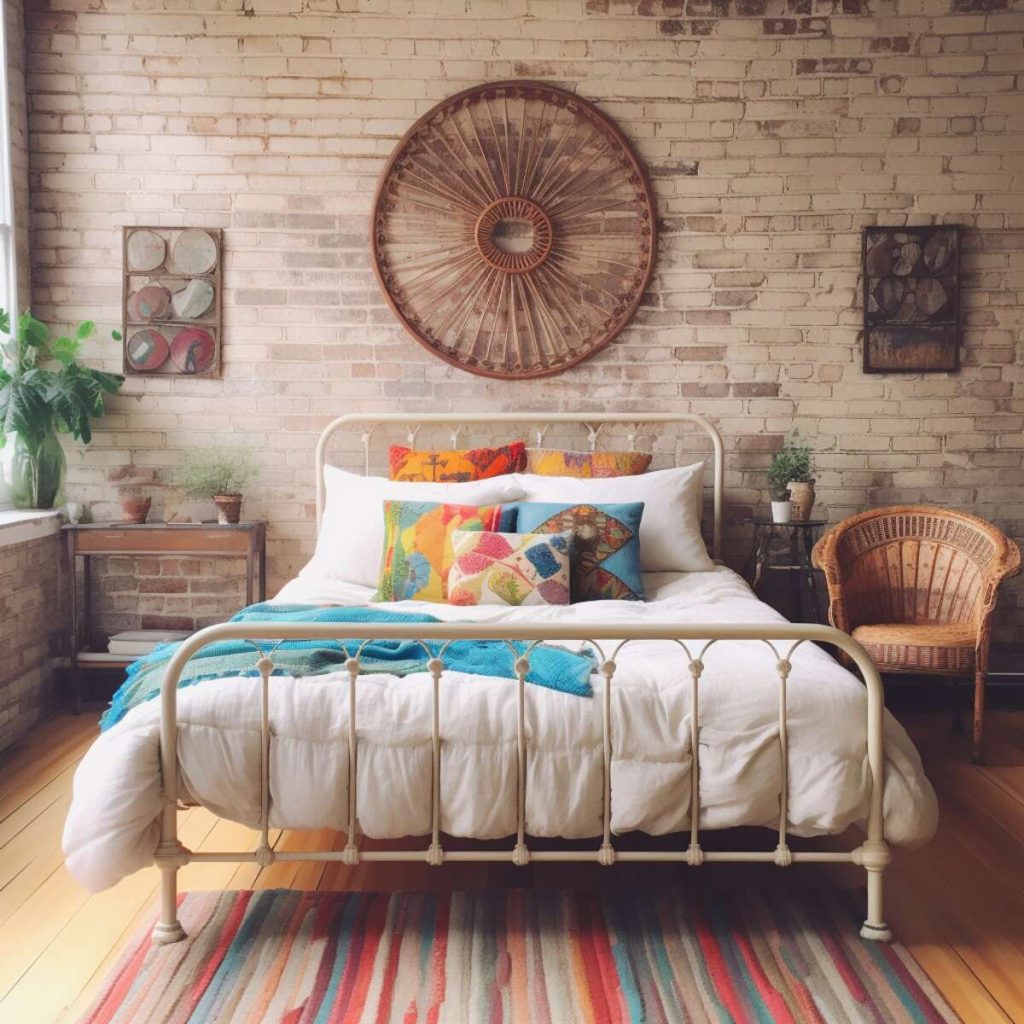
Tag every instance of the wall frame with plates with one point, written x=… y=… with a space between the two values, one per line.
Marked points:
x=171 y=301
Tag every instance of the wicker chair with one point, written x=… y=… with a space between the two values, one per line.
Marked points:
x=916 y=585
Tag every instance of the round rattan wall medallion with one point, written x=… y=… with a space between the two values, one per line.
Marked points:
x=513 y=230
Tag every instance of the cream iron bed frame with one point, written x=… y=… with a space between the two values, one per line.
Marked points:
x=873 y=854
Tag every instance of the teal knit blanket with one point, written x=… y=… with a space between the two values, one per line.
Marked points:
x=551 y=667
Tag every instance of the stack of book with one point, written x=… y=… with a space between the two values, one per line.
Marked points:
x=134 y=643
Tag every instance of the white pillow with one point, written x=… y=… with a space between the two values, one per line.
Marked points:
x=670 y=538
x=351 y=539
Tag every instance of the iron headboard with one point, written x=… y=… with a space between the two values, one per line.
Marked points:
x=461 y=421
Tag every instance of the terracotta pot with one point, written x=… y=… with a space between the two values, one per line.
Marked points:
x=802 y=496
x=229 y=507
x=134 y=509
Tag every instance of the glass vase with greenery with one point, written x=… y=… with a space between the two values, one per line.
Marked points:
x=219 y=473
x=45 y=391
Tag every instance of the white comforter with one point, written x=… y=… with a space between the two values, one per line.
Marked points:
x=112 y=829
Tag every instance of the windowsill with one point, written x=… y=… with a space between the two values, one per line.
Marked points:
x=18 y=526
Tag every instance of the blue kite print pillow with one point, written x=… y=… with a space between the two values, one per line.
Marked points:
x=605 y=562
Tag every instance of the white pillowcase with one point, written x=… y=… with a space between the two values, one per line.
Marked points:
x=670 y=538
x=351 y=539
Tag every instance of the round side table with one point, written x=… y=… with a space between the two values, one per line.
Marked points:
x=786 y=547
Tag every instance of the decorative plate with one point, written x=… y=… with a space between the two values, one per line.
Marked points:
x=147 y=350
x=145 y=250
x=193 y=350
x=513 y=230
x=193 y=300
x=194 y=252
x=150 y=302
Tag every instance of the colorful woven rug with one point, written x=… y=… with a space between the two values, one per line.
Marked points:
x=534 y=956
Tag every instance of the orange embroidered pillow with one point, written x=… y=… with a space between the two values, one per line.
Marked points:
x=455 y=466
x=553 y=462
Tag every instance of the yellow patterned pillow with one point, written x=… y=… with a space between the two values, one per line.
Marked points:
x=418 y=546
x=456 y=466
x=554 y=462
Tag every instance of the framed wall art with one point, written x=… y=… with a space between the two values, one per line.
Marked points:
x=171 y=301
x=911 y=299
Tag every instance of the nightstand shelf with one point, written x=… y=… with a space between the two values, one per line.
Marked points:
x=88 y=659
x=205 y=540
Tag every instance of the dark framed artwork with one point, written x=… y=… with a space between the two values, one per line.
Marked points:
x=911 y=299
x=171 y=301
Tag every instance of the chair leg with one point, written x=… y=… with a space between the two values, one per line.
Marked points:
x=980 y=678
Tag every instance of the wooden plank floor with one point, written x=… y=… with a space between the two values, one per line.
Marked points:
x=957 y=903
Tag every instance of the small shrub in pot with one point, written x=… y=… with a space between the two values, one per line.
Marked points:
x=219 y=473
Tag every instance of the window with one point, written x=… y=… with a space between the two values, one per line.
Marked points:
x=8 y=253
x=8 y=258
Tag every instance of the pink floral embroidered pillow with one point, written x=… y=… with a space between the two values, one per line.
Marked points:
x=509 y=568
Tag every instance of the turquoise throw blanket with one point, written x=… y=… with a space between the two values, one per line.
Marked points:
x=552 y=667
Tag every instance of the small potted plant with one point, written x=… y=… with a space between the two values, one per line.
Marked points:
x=218 y=473
x=134 y=504
x=791 y=471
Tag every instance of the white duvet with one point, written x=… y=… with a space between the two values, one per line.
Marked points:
x=112 y=828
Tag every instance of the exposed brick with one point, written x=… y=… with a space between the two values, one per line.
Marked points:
x=700 y=353
x=889 y=44
x=773 y=130
x=764 y=390
x=975 y=6
x=33 y=630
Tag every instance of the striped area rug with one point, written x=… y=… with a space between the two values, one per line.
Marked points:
x=528 y=957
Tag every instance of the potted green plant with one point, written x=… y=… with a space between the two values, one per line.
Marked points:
x=792 y=471
x=219 y=473
x=45 y=391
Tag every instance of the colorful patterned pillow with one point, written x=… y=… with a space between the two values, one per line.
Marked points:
x=509 y=568
x=606 y=545
x=554 y=462
x=456 y=466
x=418 y=546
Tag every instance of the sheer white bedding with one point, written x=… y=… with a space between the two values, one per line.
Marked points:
x=112 y=829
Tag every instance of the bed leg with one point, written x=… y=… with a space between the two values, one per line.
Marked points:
x=168 y=929
x=875 y=927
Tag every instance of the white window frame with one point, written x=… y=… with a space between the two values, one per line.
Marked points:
x=9 y=296
x=7 y=227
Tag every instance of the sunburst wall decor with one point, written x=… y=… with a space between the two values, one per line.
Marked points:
x=513 y=230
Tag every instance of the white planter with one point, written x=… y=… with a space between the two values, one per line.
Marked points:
x=782 y=511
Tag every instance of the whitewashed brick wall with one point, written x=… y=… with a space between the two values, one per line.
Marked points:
x=773 y=130
x=14 y=25
x=32 y=631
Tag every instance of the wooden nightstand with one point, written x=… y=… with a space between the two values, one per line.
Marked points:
x=793 y=541
x=88 y=540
